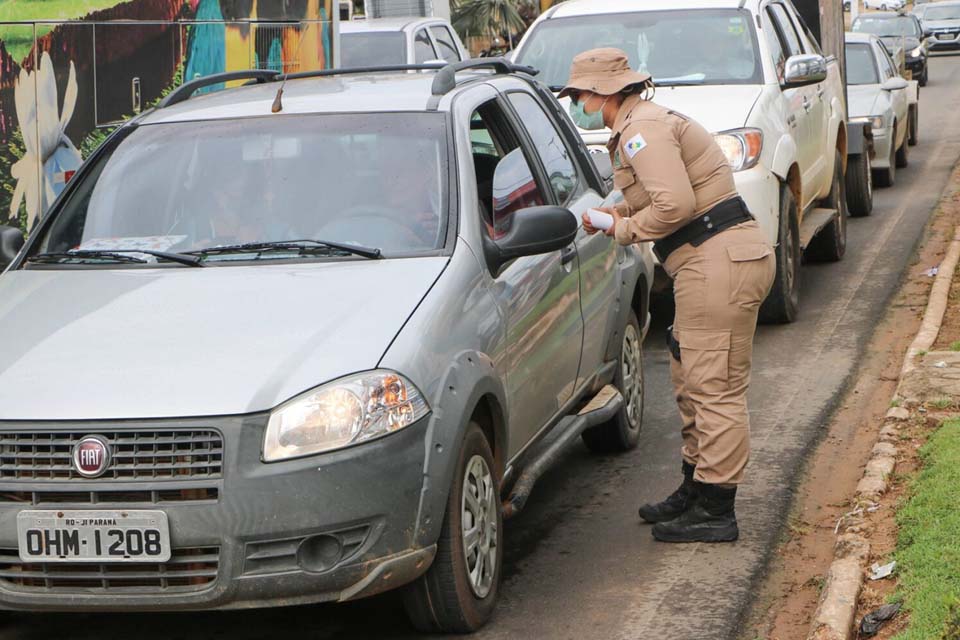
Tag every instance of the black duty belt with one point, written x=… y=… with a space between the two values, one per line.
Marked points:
x=728 y=213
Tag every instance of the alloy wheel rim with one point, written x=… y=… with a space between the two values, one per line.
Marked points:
x=790 y=262
x=478 y=526
x=631 y=363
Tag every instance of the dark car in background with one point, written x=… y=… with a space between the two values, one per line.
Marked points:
x=941 y=21
x=896 y=31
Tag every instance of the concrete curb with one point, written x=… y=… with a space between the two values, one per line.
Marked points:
x=835 y=615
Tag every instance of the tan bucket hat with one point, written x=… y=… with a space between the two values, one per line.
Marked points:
x=604 y=71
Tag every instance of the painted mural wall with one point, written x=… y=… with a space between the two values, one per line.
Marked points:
x=65 y=85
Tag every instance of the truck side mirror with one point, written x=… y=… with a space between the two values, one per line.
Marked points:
x=803 y=70
x=11 y=241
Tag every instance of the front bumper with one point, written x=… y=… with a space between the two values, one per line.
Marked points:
x=330 y=527
x=951 y=41
x=760 y=189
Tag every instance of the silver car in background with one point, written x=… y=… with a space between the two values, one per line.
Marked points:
x=312 y=345
x=878 y=95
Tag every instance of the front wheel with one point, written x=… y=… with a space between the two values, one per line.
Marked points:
x=913 y=134
x=459 y=591
x=859 y=185
x=925 y=75
x=622 y=433
x=903 y=153
x=888 y=177
x=782 y=304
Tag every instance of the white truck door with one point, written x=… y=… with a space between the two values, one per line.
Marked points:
x=801 y=106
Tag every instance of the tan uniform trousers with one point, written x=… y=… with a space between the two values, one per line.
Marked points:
x=718 y=288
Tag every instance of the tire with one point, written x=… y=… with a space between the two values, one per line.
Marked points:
x=445 y=598
x=784 y=300
x=859 y=185
x=902 y=158
x=622 y=433
x=925 y=75
x=913 y=133
x=831 y=243
x=887 y=177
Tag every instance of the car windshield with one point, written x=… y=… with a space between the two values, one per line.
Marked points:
x=861 y=67
x=899 y=26
x=949 y=12
x=697 y=46
x=375 y=180
x=372 y=49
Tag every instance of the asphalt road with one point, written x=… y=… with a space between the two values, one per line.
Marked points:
x=578 y=564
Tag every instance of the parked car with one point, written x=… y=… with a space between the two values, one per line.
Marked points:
x=878 y=95
x=941 y=21
x=899 y=31
x=751 y=72
x=399 y=321
x=885 y=5
x=391 y=41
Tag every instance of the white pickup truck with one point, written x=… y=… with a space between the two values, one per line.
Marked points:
x=751 y=72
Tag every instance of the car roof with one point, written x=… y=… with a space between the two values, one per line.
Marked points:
x=385 y=24
x=853 y=37
x=588 y=7
x=883 y=14
x=346 y=93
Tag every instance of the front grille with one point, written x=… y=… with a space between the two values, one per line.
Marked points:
x=189 y=569
x=161 y=497
x=136 y=455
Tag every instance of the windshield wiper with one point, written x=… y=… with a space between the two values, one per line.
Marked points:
x=300 y=246
x=59 y=257
x=118 y=255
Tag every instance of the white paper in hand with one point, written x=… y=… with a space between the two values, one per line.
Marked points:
x=600 y=220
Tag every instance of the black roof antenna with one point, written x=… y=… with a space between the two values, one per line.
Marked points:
x=277 y=106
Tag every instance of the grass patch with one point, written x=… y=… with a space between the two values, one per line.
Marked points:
x=18 y=39
x=955 y=345
x=940 y=403
x=928 y=553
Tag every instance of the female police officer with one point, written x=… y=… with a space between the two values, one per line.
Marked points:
x=679 y=193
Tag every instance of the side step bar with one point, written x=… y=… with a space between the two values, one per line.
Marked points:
x=813 y=222
x=602 y=408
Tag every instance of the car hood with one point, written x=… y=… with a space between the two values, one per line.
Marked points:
x=861 y=99
x=181 y=342
x=716 y=107
x=892 y=43
x=941 y=24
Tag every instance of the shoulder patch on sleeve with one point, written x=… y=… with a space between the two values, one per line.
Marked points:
x=634 y=145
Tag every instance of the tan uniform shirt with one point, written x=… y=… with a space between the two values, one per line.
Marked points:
x=669 y=169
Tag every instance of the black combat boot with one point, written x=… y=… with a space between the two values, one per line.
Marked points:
x=676 y=503
x=711 y=519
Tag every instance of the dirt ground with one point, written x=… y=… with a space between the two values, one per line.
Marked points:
x=789 y=597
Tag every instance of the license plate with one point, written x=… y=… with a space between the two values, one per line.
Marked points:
x=945 y=36
x=93 y=536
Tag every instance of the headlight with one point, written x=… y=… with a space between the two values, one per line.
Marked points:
x=875 y=122
x=347 y=411
x=742 y=147
x=916 y=52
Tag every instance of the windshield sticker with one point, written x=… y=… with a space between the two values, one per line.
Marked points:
x=736 y=26
x=635 y=145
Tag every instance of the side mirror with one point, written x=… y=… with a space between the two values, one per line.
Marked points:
x=11 y=241
x=804 y=70
x=895 y=83
x=533 y=231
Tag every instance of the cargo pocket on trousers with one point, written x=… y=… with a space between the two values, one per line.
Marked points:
x=705 y=358
x=748 y=281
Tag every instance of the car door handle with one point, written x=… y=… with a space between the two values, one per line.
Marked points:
x=568 y=254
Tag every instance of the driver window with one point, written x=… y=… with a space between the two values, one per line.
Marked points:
x=505 y=182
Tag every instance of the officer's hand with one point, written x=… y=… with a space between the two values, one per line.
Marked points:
x=589 y=228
